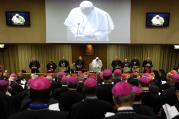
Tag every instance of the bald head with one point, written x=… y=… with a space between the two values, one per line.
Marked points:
x=116 y=58
x=80 y=58
x=33 y=59
x=125 y=59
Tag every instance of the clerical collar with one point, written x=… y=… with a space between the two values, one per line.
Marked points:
x=145 y=89
x=137 y=102
x=38 y=106
x=107 y=82
x=91 y=97
x=125 y=108
x=64 y=85
x=72 y=89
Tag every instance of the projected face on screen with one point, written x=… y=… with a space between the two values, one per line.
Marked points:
x=88 y=23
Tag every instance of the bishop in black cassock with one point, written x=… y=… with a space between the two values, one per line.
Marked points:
x=51 y=67
x=34 y=66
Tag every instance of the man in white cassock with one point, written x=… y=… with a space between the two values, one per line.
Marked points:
x=88 y=23
x=18 y=19
x=158 y=20
x=96 y=65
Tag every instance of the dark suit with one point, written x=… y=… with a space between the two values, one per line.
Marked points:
x=34 y=66
x=116 y=64
x=68 y=98
x=8 y=106
x=104 y=92
x=151 y=100
x=126 y=64
x=147 y=62
x=90 y=109
x=63 y=62
x=27 y=101
x=40 y=114
x=147 y=69
x=169 y=96
x=51 y=67
x=15 y=88
x=144 y=110
x=135 y=62
x=58 y=91
x=80 y=65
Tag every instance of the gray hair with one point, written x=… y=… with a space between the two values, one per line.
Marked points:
x=124 y=99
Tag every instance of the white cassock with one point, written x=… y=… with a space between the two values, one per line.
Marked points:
x=92 y=27
x=17 y=19
x=158 y=21
x=96 y=65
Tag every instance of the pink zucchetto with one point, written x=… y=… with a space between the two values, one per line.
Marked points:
x=29 y=81
x=107 y=73
x=144 y=80
x=90 y=83
x=122 y=89
x=175 y=76
x=34 y=76
x=4 y=84
x=81 y=76
x=148 y=75
x=61 y=74
x=136 y=90
x=73 y=80
x=125 y=75
x=101 y=75
x=173 y=72
x=50 y=74
x=13 y=75
x=94 y=76
x=65 y=79
x=117 y=72
x=40 y=83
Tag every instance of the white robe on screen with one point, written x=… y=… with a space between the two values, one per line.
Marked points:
x=94 y=26
x=158 y=20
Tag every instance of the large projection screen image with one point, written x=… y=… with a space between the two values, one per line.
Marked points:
x=95 y=21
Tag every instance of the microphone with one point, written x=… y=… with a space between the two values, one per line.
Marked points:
x=77 y=33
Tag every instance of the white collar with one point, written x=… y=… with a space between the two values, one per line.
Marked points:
x=107 y=82
x=91 y=97
x=125 y=108
x=145 y=88
x=137 y=102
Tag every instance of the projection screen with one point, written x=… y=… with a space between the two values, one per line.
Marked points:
x=95 y=21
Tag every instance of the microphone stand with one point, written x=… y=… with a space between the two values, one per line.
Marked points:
x=77 y=31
